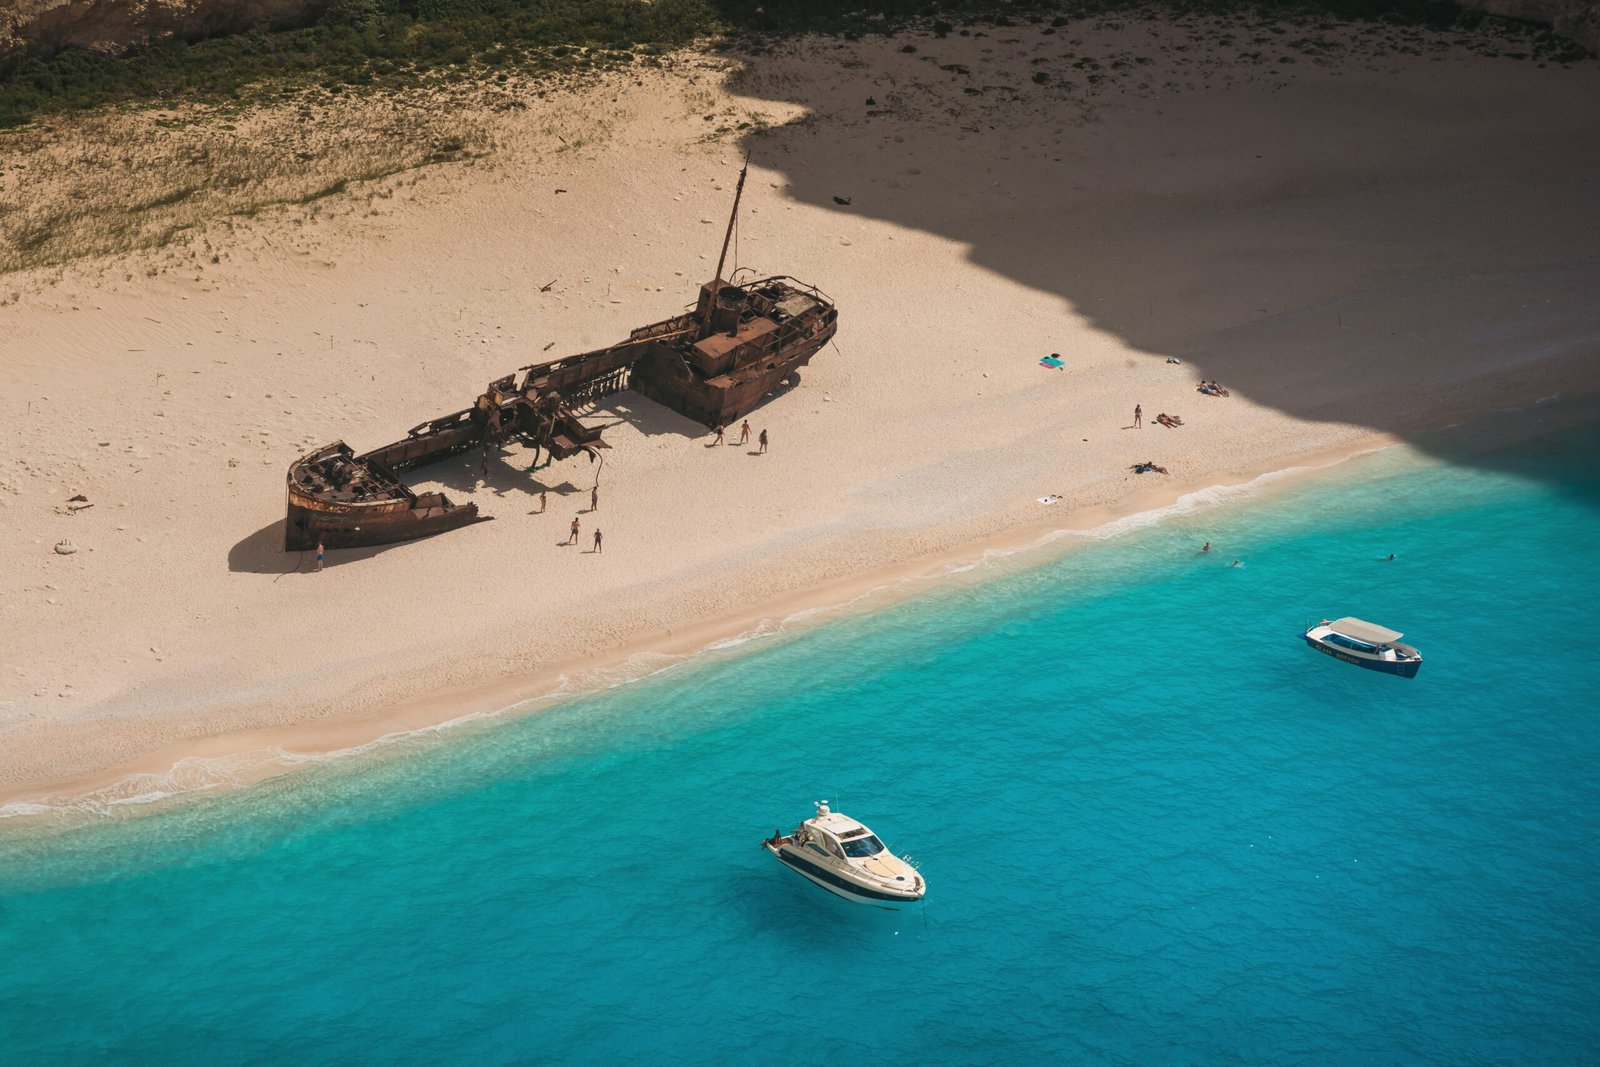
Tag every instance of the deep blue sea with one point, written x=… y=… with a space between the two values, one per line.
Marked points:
x=1156 y=828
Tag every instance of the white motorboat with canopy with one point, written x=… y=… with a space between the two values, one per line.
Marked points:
x=844 y=857
x=1366 y=644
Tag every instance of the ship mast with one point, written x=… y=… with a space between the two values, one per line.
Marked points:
x=733 y=215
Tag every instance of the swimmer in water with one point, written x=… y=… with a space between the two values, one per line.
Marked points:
x=1236 y=563
x=1388 y=559
x=1206 y=547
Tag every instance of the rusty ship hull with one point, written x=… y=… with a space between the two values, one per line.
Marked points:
x=371 y=506
x=714 y=364
x=760 y=335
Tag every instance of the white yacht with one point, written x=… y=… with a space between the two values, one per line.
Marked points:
x=844 y=857
x=1366 y=644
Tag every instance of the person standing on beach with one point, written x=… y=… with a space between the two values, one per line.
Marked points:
x=594 y=499
x=319 y=555
x=572 y=538
x=744 y=431
x=763 y=440
x=1138 y=417
x=718 y=431
x=597 y=540
x=544 y=498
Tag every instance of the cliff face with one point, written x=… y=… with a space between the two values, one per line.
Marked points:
x=114 y=25
x=1577 y=20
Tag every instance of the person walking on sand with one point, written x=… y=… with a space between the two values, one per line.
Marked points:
x=594 y=499
x=1138 y=416
x=597 y=540
x=744 y=432
x=544 y=498
x=572 y=538
x=718 y=431
x=763 y=440
x=319 y=555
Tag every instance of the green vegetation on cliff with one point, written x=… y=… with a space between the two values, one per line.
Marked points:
x=396 y=43
x=357 y=43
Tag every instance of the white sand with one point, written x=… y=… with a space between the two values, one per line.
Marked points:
x=1357 y=249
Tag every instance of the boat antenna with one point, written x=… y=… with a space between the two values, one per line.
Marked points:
x=732 y=216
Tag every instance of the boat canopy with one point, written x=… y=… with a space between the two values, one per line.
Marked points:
x=836 y=824
x=1371 y=633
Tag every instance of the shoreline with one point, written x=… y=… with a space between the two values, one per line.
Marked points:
x=245 y=758
x=191 y=771
x=1183 y=216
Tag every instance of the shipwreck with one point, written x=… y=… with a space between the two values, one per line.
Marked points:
x=714 y=363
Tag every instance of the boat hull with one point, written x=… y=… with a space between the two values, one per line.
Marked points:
x=341 y=500
x=837 y=884
x=1398 y=668
x=711 y=405
x=725 y=399
x=306 y=526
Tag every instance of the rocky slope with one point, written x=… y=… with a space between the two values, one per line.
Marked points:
x=114 y=25
x=1577 y=20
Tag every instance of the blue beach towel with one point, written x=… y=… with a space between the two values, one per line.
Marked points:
x=1051 y=361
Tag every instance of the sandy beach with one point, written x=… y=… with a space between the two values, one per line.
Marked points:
x=1360 y=244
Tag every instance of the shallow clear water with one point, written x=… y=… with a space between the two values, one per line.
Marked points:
x=1156 y=829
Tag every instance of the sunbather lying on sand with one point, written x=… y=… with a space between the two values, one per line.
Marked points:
x=1171 y=422
x=1146 y=467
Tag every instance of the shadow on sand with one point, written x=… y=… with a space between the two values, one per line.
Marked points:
x=262 y=553
x=1345 y=249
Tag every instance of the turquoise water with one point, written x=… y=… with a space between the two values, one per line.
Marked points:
x=1156 y=829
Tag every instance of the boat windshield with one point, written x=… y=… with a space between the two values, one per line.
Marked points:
x=1348 y=642
x=862 y=847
